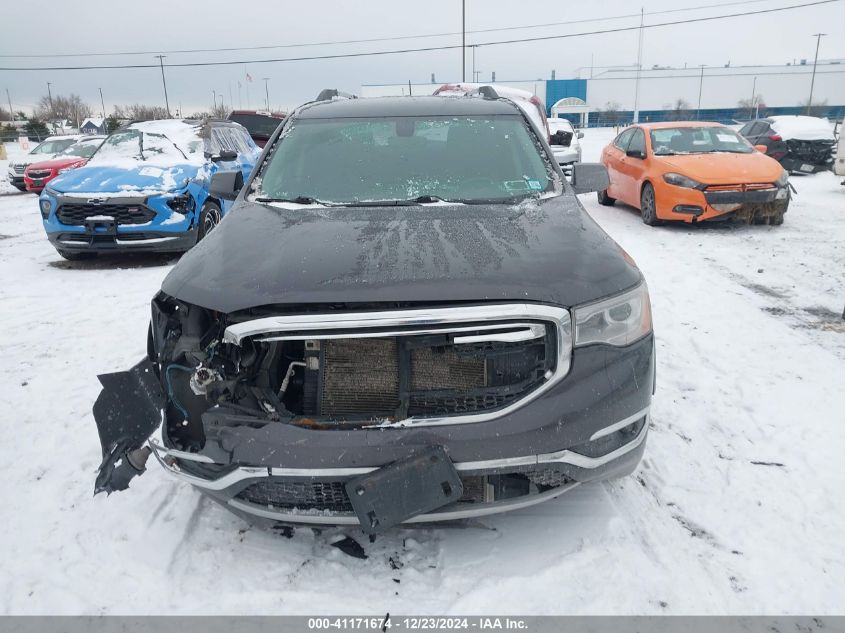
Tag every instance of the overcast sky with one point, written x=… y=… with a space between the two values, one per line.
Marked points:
x=165 y=25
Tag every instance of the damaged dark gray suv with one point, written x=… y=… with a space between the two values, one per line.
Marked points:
x=406 y=317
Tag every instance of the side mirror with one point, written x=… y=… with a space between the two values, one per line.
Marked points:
x=580 y=135
x=226 y=184
x=224 y=155
x=635 y=153
x=587 y=177
x=761 y=148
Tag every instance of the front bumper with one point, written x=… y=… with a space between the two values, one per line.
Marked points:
x=694 y=205
x=16 y=179
x=592 y=425
x=144 y=242
x=805 y=166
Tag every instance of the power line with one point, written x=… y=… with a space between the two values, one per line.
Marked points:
x=382 y=39
x=424 y=49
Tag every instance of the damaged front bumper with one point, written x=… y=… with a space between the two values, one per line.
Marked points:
x=592 y=425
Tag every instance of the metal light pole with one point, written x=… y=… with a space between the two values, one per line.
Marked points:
x=213 y=99
x=267 y=92
x=700 y=85
x=463 y=40
x=164 y=83
x=753 y=93
x=639 y=66
x=103 y=103
x=818 y=37
x=50 y=97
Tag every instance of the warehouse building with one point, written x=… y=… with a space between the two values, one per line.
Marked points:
x=724 y=93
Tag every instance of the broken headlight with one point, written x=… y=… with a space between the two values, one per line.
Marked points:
x=679 y=180
x=619 y=320
x=183 y=203
x=783 y=179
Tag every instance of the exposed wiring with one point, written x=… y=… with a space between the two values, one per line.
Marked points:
x=170 y=394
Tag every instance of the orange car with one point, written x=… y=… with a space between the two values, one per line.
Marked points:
x=693 y=172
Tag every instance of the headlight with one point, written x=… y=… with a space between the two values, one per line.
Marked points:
x=784 y=178
x=680 y=180
x=45 y=208
x=619 y=320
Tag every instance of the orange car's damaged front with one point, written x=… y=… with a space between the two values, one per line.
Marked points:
x=694 y=172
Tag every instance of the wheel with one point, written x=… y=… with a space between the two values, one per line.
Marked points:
x=210 y=217
x=605 y=199
x=648 y=206
x=73 y=256
x=777 y=219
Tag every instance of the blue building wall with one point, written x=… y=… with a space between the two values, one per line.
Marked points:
x=557 y=89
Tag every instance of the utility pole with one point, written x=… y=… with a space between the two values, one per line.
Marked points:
x=639 y=66
x=463 y=40
x=213 y=100
x=50 y=97
x=11 y=112
x=700 y=84
x=818 y=37
x=267 y=92
x=164 y=83
x=103 y=103
x=753 y=95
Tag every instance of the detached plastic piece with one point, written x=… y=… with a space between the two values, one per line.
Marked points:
x=404 y=489
x=127 y=411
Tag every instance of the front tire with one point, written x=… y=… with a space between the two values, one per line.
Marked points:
x=648 y=205
x=604 y=199
x=210 y=217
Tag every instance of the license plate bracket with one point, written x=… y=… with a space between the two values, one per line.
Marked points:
x=406 y=488
x=101 y=225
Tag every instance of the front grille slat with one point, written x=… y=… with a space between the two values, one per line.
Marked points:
x=76 y=213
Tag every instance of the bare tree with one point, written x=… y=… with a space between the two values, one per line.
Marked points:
x=4 y=115
x=139 y=112
x=71 y=107
x=220 y=111
x=611 y=114
x=817 y=108
x=679 y=111
x=749 y=108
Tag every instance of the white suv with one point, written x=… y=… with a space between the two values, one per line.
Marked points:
x=564 y=141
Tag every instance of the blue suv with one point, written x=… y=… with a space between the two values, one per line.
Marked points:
x=146 y=188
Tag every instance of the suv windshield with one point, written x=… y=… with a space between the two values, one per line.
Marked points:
x=697 y=140
x=455 y=158
x=135 y=145
x=83 y=149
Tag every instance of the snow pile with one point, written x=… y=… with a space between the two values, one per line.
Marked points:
x=166 y=143
x=802 y=128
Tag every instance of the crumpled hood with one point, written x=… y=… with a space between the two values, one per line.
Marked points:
x=139 y=178
x=546 y=251
x=724 y=167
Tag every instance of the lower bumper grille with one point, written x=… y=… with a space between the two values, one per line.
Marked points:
x=331 y=495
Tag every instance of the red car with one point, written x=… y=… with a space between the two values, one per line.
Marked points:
x=37 y=175
x=259 y=123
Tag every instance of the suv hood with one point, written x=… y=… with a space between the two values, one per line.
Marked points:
x=126 y=180
x=547 y=251
x=724 y=168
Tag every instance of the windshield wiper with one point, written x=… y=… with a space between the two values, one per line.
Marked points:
x=426 y=199
x=296 y=200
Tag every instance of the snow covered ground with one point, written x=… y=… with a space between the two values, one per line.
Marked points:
x=736 y=508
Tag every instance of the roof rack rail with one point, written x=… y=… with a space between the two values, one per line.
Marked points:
x=331 y=93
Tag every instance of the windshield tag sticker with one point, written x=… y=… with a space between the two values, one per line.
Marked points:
x=727 y=138
x=516 y=185
x=535 y=185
